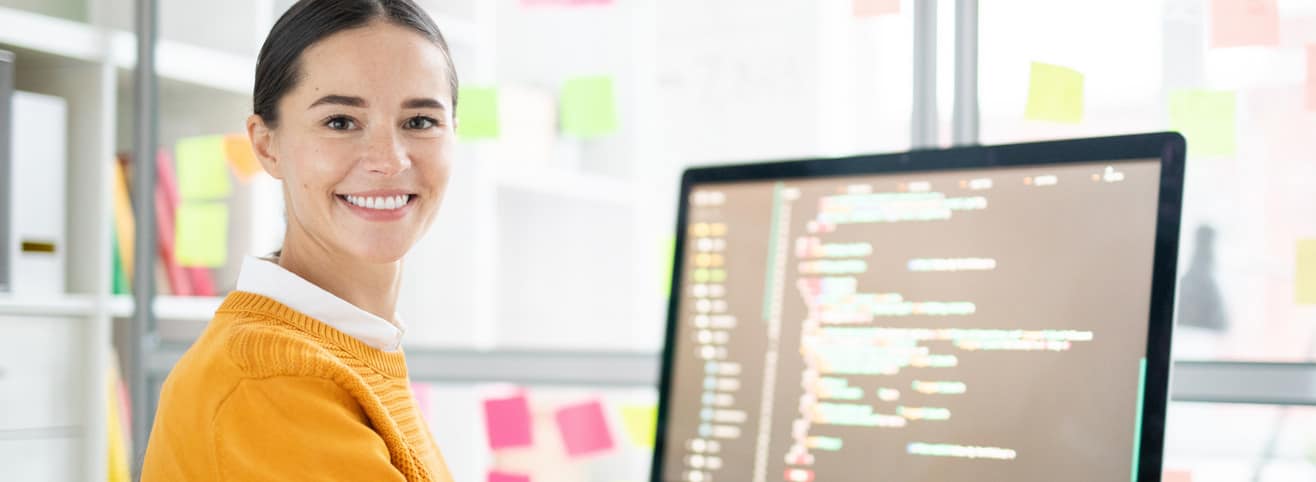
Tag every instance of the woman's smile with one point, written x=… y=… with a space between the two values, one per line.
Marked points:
x=379 y=205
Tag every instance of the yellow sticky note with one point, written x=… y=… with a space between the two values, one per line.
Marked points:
x=588 y=107
x=1055 y=94
x=1305 y=283
x=477 y=113
x=237 y=149
x=1206 y=119
x=201 y=234
x=640 y=422
x=202 y=169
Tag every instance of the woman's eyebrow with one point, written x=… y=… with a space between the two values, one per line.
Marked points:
x=339 y=100
x=423 y=102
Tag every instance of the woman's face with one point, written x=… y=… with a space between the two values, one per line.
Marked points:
x=363 y=142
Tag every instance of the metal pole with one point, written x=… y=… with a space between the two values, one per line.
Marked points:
x=923 y=122
x=964 y=120
x=143 y=194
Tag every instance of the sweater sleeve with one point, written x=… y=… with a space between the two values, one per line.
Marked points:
x=297 y=428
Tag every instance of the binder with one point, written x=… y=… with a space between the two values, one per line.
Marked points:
x=38 y=146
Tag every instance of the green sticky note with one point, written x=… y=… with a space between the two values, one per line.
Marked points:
x=202 y=168
x=201 y=234
x=640 y=422
x=477 y=113
x=588 y=108
x=1305 y=282
x=1055 y=94
x=1206 y=119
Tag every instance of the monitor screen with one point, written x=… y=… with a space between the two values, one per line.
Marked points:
x=943 y=325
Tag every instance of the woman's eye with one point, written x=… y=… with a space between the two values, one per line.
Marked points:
x=420 y=122
x=339 y=123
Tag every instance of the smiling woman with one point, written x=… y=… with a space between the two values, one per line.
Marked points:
x=300 y=376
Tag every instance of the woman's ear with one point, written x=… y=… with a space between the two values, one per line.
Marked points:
x=262 y=141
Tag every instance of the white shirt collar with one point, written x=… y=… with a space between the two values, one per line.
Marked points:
x=267 y=278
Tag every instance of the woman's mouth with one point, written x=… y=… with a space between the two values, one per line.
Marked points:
x=378 y=203
x=379 y=206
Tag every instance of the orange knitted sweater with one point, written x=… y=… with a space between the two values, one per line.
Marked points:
x=267 y=393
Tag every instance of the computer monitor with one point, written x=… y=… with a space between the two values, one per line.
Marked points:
x=967 y=314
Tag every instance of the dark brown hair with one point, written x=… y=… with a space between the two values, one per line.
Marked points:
x=309 y=21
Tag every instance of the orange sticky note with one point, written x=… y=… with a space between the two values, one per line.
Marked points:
x=1239 y=23
x=873 y=8
x=237 y=148
x=1311 y=77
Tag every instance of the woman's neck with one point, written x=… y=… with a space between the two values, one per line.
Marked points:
x=373 y=287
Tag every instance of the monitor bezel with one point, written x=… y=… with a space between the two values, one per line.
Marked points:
x=1168 y=147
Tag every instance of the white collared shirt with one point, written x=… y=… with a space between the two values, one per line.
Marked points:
x=267 y=278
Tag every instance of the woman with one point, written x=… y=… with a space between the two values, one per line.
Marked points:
x=300 y=375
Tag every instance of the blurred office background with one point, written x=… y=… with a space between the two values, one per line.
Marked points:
x=542 y=288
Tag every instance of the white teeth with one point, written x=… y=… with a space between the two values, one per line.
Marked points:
x=380 y=203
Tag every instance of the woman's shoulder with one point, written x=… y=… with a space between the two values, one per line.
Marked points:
x=258 y=347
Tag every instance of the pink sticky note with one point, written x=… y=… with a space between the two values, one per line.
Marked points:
x=496 y=476
x=1311 y=77
x=873 y=8
x=421 y=392
x=584 y=430
x=507 y=422
x=1177 y=476
x=1237 y=23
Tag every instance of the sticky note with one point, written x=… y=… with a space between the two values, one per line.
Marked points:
x=1206 y=119
x=1238 y=23
x=1305 y=282
x=237 y=149
x=588 y=108
x=1177 y=476
x=421 y=392
x=201 y=234
x=202 y=169
x=640 y=422
x=584 y=430
x=477 y=113
x=873 y=8
x=1055 y=94
x=507 y=422
x=499 y=476
x=1311 y=77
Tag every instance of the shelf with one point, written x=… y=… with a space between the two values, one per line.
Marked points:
x=47 y=305
x=179 y=308
x=568 y=184
x=191 y=64
x=174 y=60
x=64 y=38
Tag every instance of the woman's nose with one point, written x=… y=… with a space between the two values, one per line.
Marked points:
x=385 y=154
